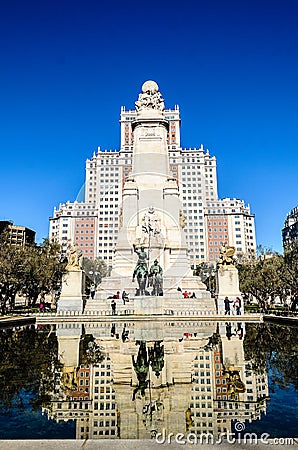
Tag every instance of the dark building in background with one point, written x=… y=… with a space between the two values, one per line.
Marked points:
x=290 y=230
x=18 y=235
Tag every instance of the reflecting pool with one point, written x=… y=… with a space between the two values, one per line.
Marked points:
x=146 y=379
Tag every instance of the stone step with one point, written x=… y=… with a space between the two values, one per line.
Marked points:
x=171 y=304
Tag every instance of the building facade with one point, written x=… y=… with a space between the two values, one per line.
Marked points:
x=194 y=170
x=290 y=229
x=229 y=220
x=17 y=235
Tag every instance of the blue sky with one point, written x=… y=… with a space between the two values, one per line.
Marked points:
x=68 y=66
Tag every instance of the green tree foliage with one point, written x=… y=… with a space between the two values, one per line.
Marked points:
x=31 y=270
x=90 y=352
x=11 y=264
x=95 y=270
x=271 y=275
x=289 y=273
x=276 y=346
x=207 y=274
x=43 y=268
x=28 y=362
x=260 y=277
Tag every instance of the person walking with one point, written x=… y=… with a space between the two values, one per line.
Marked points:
x=113 y=306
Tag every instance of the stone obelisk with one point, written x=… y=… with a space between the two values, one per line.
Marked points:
x=151 y=214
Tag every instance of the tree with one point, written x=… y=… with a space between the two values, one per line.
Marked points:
x=95 y=270
x=260 y=277
x=31 y=270
x=90 y=352
x=289 y=274
x=11 y=268
x=274 y=345
x=207 y=274
x=43 y=268
x=28 y=362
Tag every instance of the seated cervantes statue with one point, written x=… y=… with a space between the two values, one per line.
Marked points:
x=226 y=257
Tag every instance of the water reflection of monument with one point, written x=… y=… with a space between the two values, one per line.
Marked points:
x=133 y=380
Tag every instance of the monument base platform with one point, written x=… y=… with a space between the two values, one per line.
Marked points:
x=227 y=286
x=70 y=304
x=170 y=304
x=171 y=285
x=72 y=293
x=148 y=305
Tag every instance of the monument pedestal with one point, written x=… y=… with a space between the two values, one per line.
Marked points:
x=227 y=286
x=148 y=304
x=73 y=291
x=149 y=330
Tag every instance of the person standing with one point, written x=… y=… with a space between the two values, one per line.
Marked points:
x=237 y=305
x=92 y=290
x=124 y=297
x=113 y=306
x=227 y=306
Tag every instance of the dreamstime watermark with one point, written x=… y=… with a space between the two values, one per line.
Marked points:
x=226 y=437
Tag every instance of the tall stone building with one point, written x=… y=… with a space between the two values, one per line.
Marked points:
x=94 y=223
x=290 y=229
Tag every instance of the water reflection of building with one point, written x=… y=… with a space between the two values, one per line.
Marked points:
x=201 y=384
x=244 y=400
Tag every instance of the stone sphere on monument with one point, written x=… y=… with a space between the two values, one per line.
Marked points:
x=150 y=86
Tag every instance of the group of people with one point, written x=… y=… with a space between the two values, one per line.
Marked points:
x=235 y=331
x=189 y=294
x=235 y=304
x=43 y=305
x=124 y=334
x=186 y=294
x=91 y=290
x=124 y=296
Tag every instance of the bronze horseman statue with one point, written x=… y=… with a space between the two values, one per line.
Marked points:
x=141 y=270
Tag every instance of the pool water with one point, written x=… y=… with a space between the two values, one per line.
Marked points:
x=136 y=380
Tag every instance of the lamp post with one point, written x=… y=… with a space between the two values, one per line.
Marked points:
x=93 y=275
x=212 y=274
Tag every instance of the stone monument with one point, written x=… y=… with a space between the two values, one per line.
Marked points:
x=151 y=222
x=227 y=280
x=73 y=284
x=68 y=338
